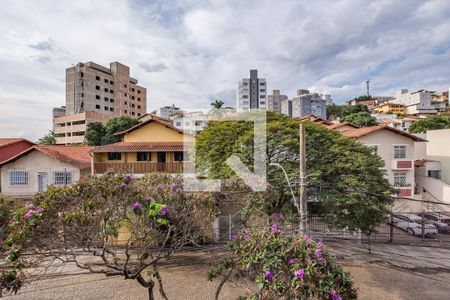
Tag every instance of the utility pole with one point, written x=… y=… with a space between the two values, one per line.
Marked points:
x=302 y=195
x=368 y=90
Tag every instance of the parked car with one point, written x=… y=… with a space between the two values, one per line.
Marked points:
x=413 y=228
x=440 y=221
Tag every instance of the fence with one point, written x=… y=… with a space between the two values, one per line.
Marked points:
x=425 y=228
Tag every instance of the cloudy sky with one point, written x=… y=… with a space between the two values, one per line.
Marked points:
x=189 y=52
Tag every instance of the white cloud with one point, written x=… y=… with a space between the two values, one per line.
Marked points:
x=189 y=52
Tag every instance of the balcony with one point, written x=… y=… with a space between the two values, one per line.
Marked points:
x=138 y=167
x=402 y=164
x=71 y=128
x=69 y=140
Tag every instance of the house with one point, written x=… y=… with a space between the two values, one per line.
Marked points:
x=33 y=169
x=153 y=145
x=396 y=148
x=390 y=108
x=314 y=119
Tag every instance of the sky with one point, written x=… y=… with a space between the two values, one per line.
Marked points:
x=189 y=53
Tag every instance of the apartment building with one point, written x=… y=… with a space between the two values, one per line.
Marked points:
x=390 y=108
x=415 y=103
x=251 y=93
x=274 y=101
x=96 y=93
x=306 y=103
x=192 y=122
x=166 y=112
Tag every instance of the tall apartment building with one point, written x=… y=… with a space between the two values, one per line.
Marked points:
x=306 y=103
x=251 y=92
x=96 y=93
x=286 y=107
x=416 y=102
x=274 y=101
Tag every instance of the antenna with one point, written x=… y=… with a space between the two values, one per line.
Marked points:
x=368 y=83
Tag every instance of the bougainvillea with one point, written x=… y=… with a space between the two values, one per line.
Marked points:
x=131 y=224
x=284 y=266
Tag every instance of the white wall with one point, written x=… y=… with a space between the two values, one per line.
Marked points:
x=34 y=163
x=438 y=148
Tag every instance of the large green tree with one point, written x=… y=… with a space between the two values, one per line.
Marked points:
x=99 y=134
x=344 y=174
x=431 y=123
x=48 y=139
x=362 y=118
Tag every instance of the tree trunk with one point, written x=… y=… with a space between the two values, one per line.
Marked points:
x=150 y=293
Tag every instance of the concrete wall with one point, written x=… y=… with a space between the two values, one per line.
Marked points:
x=438 y=190
x=438 y=148
x=34 y=163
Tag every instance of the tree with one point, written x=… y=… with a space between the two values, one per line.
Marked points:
x=363 y=119
x=217 y=104
x=431 y=123
x=99 y=134
x=48 y=139
x=362 y=98
x=67 y=224
x=7 y=207
x=352 y=109
x=345 y=175
x=95 y=132
x=335 y=111
x=284 y=266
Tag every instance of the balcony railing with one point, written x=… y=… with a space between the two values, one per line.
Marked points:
x=138 y=167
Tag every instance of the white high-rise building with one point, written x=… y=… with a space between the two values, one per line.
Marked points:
x=251 y=93
x=415 y=103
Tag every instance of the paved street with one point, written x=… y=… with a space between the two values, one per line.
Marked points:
x=391 y=272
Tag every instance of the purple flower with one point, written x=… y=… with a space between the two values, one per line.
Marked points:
x=148 y=199
x=173 y=186
x=164 y=211
x=61 y=198
x=293 y=261
x=28 y=215
x=246 y=237
x=109 y=171
x=136 y=205
x=274 y=227
x=300 y=273
x=269 y=275
x=123 y=186
x=307 y=239
x=318 y=254
x=320 y=244
x=128 y=178
x=334 y=295
x=243 y=230
x=234 y=237
x=29 y=206
x=40 y=210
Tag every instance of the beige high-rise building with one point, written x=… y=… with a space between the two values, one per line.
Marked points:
x=96 y=93
x=274 y=101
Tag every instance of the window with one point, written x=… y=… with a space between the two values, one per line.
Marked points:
x=126 y=111
x=132 y=97
x=125 y=85
x=97 y=77
x=125 y=94
x=143 y=156
x=132 y=105
x=111 y=91
x=106 y=80
x=106 y=108
x=262 y=96
x=82 y=74
x=97 y=96
x=138 y=91
x=97 y=87
x=178 y=156
x=111 y=82
x=18 y=178
x=106 y=98
x=111 y=100
x=399 y=151
x=139 y=107
x=178 y=124
x=400 y=180
x=434 y=174
x=132 y=113
x=97 y=106
x=132 y=89
x=62 y=177
x=111 y=109
x=106 y=90
x=114 y=156
x=262 y=90
x=139 y=114
x=139 y=99
x=126 y=102
x=244 y=96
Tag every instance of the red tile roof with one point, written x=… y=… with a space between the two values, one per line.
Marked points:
x=314 y=119
x=140 y=147
x=338 y=125
x=77 y=156
x=9 y=141
x=356 y=133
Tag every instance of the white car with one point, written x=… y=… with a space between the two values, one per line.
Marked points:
x=412 y=227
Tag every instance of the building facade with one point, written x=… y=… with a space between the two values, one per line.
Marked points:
x=34 y=169
x=390 y=108
x=153 y=146
x=251 y=93
x=306 y=103
x=415 y=103
x=102 y=92
x=167 y=111
x=274 y=101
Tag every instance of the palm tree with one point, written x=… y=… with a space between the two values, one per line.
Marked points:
x=217 y=104
x=48 y=139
